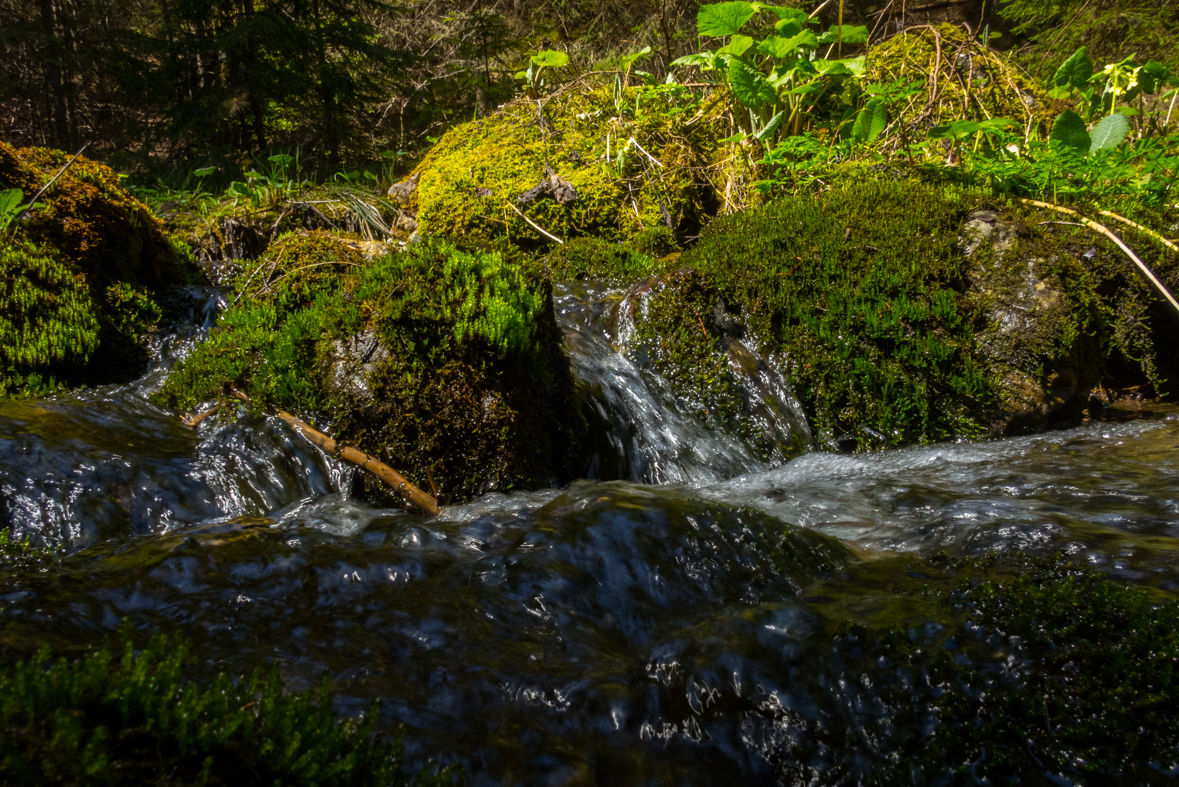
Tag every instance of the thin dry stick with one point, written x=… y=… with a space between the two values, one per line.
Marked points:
x=1102 y=229
x=410 y=493
x=193 y=421
x=1140 y=228
x=536 y=226
x=37 y=194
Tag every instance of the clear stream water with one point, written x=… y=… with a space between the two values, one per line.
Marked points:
x=660 y=628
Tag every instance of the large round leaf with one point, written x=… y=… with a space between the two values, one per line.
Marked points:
x=749 y=85
x=723 y=19
x=1074 y=72
x=1109 y=133
x=1069 y=129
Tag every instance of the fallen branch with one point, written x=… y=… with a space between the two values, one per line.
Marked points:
x=193 y=421
x=410 y=493
x=1140 y=228
x=1102 y=229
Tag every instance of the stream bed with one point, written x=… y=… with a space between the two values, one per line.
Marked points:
x=671 y=626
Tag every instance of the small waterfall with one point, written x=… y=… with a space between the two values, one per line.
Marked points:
x=645 y=432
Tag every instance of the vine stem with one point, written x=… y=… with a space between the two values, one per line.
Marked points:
x=1102 y=229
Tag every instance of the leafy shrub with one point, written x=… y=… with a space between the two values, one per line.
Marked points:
x=131 y=718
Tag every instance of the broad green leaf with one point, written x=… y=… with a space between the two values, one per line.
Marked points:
x=550 y=58
x=789 y=27
x=738 y=137
x=204 y=172
x=852 y=34
x=1074 y=72
x=769 y=128
x=871 y=121
x=241 y=189
x=784 y=13
x=1109 y=133
x=695 y=59
x=1069 y=130
x=282 y=159
x=781 y=48
x=737 y=46
x=749 y=86
x=1153 y=76
x=848 y=65
x=723 y=19
x=995 y=125
x=9 y=200
x=959 y=129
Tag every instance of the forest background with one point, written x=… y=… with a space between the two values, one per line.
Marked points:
x=161 y=88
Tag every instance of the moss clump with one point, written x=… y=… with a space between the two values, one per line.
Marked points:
x=298 y=266
x=592 y=258
x=128 y=717
x=81 y=276
x=973 y=81
x=469 y=182
x=444 y=363
x=859 y=291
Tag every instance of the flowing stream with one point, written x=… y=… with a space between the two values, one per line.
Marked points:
x=666 y=627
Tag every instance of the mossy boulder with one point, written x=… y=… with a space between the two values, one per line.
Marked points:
x=444 y=363
x=632 y=161
x=896 y=318
x=959 y=78
x=82 y=274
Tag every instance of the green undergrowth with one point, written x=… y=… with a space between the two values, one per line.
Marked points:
x=119 y=715
x=593 y=258
x=444 y=363
x=1050 y=669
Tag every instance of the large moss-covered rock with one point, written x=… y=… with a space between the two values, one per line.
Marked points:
x=79 y=276
x=903 y=312
x=634 y=161
x=444 y=363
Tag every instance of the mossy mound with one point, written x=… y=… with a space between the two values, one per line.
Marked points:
x=960 y=79
x=635 y=159
x=298 y=266
x=891 y=326
x=127 y=716
x=81 y=276
x=591 y=258
x=445 y=364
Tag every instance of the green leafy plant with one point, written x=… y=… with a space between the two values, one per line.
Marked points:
x=534 y=77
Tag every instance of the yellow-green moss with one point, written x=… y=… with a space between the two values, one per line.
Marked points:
x=973 y=81
x=470 y=181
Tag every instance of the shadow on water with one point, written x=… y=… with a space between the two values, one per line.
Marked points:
x=608 y=633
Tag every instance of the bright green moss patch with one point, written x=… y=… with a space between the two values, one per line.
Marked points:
x=635 y=160
x=443 y=362
x=128 y=717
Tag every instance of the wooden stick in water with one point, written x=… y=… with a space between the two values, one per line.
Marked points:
x=410 y=493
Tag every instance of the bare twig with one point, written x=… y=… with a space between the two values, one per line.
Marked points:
x=1102 y=229
x=193 y=421
x=410 y=493
x=37 y=194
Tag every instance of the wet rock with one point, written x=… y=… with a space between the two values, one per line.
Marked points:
x=1044 y=371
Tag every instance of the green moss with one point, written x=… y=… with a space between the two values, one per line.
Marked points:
x=859 y=291
x=298 y=266
x=471 y=179
x=460 y=377
x=592 y=258
x=126 y=716
x=80 y=277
